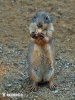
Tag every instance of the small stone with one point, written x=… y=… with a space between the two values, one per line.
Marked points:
x=67 y=66
x=56 y=91
x=67 y=89
x=55 y=62
x=9 y=85
x=23 y=62
x=60 y=57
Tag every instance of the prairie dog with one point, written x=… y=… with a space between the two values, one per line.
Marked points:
x=41 y=53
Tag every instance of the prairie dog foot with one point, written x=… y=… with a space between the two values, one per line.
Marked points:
x=35 y=86
x=52 y=86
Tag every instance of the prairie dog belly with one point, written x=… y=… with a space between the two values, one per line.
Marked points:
x=41 y=62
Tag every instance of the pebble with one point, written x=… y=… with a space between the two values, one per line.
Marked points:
x=67 y=66
x=60 y=58
x=56 y=62
x=67 y=89
x=23 y=62
x=19 y=52
x=9 y=85
x=56 y=91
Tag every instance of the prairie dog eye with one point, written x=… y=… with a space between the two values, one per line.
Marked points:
x=46 y=18
x=34 y=17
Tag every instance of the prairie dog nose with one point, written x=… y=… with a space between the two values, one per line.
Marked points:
x=40 y=25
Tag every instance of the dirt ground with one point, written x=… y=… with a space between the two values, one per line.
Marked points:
x=15 y=17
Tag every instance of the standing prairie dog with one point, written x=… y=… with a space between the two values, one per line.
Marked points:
x=41 y=53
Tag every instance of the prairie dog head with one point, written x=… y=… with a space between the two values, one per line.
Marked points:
x=41 y=25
